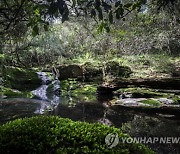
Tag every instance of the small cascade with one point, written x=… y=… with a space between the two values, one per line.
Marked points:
x=49 y=101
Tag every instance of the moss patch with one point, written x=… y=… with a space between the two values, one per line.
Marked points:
x=78 y=90
x=51 y=134
x=176 y=99
x=14 y=93
x=21 y=79
x=151 y=102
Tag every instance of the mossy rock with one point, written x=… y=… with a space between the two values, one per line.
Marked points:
x=70 y=71
x=115 y=69
x=92 y=72
x=151 y=102
x=7 y=92
x=21 y=79
x=146 y=93
x=51 y=134
x=78 y=90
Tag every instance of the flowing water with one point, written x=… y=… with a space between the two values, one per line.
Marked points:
x=137 y=124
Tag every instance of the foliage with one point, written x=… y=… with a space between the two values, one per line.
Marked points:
x=40 y=13
x=50 y=134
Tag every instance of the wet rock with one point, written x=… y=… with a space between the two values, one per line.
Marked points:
x=105 y=121
x=166 y=101
x=56 y=87
x=53 y=89
x=131 y=102
x=44 y=77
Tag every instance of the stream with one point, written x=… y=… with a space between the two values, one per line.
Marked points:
x=136 y=124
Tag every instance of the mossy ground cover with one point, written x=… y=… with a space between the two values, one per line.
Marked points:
x=8 y=92
x=20 y=79
x=51 y=134
x=78 y=90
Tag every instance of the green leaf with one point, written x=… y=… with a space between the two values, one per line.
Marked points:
x=101 y=27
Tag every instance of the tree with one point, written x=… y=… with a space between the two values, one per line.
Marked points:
x=17 y=15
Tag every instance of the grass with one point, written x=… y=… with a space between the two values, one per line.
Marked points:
x=52 y=134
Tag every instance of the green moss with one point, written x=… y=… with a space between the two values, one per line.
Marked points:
x=51 y=134
x=14 y=93
x=176 y=99
x=78 y=90
x=86 y=92
x=146 y=93
x=21 y=79
x=151 y=102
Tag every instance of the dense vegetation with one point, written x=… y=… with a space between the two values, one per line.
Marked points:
x=50 y=134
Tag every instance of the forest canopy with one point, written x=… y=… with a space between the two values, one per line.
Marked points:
x=17 y=15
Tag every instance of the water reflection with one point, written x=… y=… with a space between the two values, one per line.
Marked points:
x=50 y=97
x=133 y=123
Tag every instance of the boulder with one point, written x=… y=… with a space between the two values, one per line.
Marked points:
x=92 y=72
x=70 y=71
x=21 y=79
x=115 y=69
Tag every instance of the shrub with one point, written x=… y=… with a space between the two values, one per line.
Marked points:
x=52 y=134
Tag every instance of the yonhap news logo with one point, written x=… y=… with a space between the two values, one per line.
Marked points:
x=152 y=140
x=113 y=139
